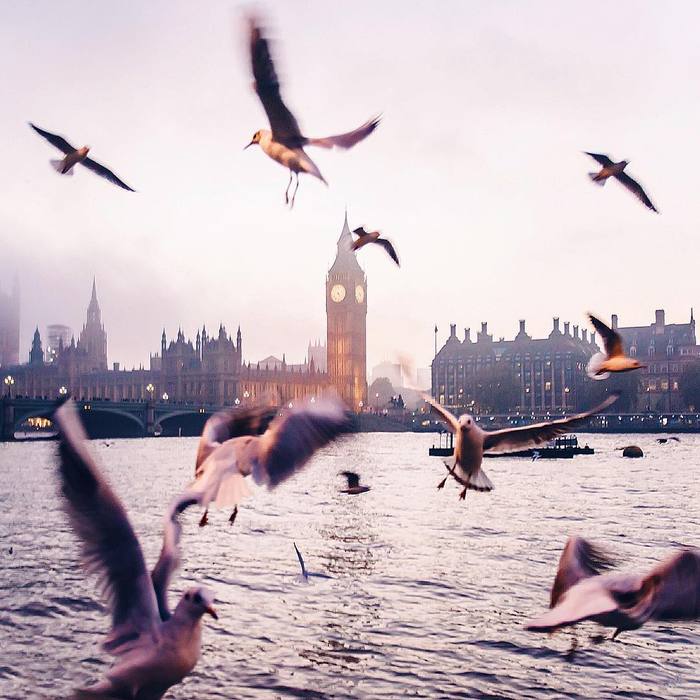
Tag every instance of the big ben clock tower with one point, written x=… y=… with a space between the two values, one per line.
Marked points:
x=346 y=316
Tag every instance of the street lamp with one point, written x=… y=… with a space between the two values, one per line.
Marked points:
x=376 y=402
x=361 y=404
x=237 y=401
x=566 y=396
x=246 y=394
x=165 y=396
x=150 y=389
x=9 y=382
x=63 y=391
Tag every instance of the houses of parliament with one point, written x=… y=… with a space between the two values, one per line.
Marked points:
x=207 y=371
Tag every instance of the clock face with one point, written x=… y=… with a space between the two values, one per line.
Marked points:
x=338 y=292
x=359 y=294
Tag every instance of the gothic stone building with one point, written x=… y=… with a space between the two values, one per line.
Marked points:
x=211 y=370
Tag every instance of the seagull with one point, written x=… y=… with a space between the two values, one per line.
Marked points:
x=581 y=591
x=663 y=441
x=240 y=442
x=304 y=573
x=75 y=156
x=616 y=170
x=155 y=648
x=364 y=237
x=613 y=359
x=472 y=442
x=285 y=142
x=354 y=487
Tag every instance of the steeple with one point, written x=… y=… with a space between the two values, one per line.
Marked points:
x=345 y=260
x=36 y=354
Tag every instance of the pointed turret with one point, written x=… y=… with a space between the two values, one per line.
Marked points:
x=36 y=354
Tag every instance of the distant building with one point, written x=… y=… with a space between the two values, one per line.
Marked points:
x=388 y=370
x=543 y=374
x=58 y=337
x=9 y=326
x=665 y=350
x=424 y=378
x=210 y=369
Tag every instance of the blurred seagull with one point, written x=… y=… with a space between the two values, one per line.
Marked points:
x=616 y=170
x=155 y=648
x=75 y=156
x=613 y=359
x=364 y=237
x=354 y=486
x=285 y=142
x=241 y=442
x=670 y=591
x=663 y=441
x=472 y=442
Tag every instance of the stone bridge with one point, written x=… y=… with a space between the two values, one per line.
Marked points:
x=111 y=418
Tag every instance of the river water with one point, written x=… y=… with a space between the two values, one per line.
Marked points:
x=418 y=593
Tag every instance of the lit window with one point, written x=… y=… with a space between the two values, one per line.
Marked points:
x=547 y=386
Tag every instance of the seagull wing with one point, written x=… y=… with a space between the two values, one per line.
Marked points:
x=109 y=545
x=580 y=559
x=282 y=122
x=54 y=140
x=301 y=560
x=612 y=341
x=511 y=439
x=169 y=559
x=448 y=417
x=293 y=439
x=386 y=244
x=353 y=479
x=106 y=173
x=636 y=189
x=600 y=157
x=348 y=139
x=224 y=425
x=673 y=587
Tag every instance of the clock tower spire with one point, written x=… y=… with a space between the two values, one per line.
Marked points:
x=346 y=317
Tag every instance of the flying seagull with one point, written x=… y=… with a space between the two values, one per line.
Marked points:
x=472 y=442
x=613 y=359
x=354 y=486
x=243 y=442
x=75 y=156
x=616 y=170
x=155 y=648
x=364 y=237
x=581 y=591
x=663 y=441
x=285 y=142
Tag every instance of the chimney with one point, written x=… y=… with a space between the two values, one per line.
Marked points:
x=467 y=335
x=555 y=324
x=453 y=330
x=576 y=332
x=522 y=326
x=584 y=335
x=592 y=337
x=566 y=328
x=483 y=327
x=660 y=321
x=614 y=321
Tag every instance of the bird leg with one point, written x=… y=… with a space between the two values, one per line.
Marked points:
x=232 y=519
x=616 y=634
x=294 y=195
x=463 y=494
x=204 y=519
x=450 y=472
x=286 y=192
x=442 y=483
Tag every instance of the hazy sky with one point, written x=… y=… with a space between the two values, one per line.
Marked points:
x=475 y=172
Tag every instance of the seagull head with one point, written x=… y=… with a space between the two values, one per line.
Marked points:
x=197 y=601
x=466 y=423
x=256 y=139
x=84 y=150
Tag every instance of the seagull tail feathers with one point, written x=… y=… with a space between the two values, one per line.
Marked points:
x=478 y=481
x=57 y=165
x=598 y=180
x=594 y=365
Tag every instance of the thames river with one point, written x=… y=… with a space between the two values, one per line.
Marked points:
x=417 y=594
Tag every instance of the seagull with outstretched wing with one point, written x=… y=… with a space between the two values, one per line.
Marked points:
x=155 y=648
x=617 y=170
x=284 y=142
x=613 y=359
x=365 y=237
x=253 y=442
x=77 y=156
x=354 y=486
x=584 y=591
x=471 y=442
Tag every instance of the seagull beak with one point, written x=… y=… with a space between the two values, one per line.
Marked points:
x=252 y=143
x=212 y=612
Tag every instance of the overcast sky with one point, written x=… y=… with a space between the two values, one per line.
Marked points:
x=475 y=172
